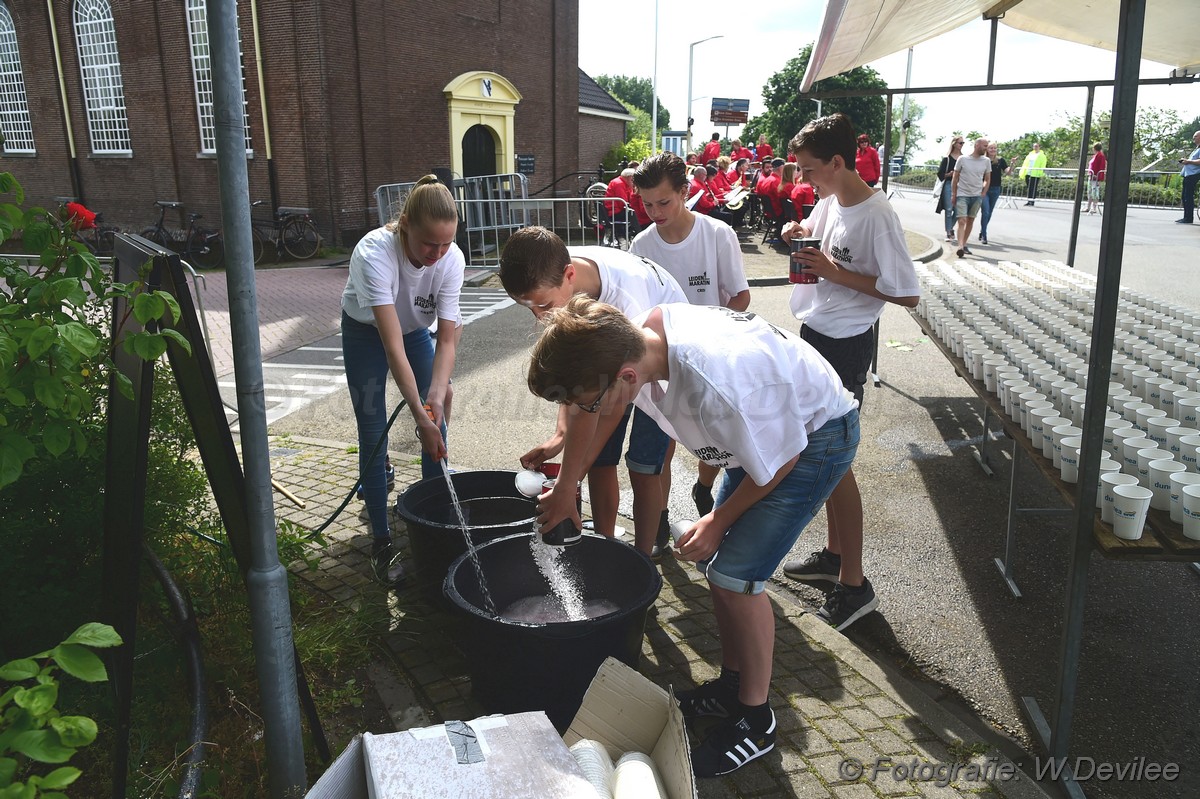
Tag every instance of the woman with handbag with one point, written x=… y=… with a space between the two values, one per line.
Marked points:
x=945 y=175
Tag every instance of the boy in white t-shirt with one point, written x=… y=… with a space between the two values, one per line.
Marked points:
x=541 y=273
x=704 y=255
x=863 y=264
x=743 y=395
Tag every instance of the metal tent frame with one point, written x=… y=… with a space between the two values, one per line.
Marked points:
x=1054 y=729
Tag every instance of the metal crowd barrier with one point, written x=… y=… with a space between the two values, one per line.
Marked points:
x=577 y=221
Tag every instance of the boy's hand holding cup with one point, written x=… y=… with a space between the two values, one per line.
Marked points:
x=797 y=271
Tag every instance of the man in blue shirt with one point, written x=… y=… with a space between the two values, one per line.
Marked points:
x=1191 y=176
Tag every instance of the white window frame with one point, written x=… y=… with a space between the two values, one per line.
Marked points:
x=100 y=68
x=197 y=26
x=15 y=124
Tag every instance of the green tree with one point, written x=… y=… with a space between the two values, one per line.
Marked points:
x=788 y=111
x=637 y=92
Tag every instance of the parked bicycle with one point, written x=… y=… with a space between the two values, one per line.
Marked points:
x=291 y=230
x=200 y=246
x=100 y=239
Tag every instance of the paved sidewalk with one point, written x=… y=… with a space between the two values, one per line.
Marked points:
x=835 y=707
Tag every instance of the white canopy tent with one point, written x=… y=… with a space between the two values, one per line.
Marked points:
x=857 y=32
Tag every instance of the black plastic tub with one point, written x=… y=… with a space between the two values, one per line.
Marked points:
x=519 y=666
x=490 y=502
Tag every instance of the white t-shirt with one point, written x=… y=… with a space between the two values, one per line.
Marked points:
x=741 y=392
x=864 y=238
x=630 y=283
x=707 y=264
x=972 y=169
x=380 y=276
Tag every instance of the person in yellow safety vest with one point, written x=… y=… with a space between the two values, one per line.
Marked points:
x=1032 y=170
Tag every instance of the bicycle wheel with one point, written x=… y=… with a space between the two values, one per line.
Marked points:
x=204 y=249
x=155 y=235
x=106 y=241
x=260 y=245
x=300 y=238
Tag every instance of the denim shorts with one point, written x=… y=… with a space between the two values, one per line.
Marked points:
x=647 y=444
x=850 y=357
x=967 y=207
x=761 y=538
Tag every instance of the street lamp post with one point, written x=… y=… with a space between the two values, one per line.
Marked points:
x=691 y=47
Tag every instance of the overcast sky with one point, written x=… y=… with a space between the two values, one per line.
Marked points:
x=759 y=38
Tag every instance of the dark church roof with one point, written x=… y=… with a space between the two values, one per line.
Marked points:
x=593 y=95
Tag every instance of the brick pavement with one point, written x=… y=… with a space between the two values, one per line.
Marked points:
x=832 y=702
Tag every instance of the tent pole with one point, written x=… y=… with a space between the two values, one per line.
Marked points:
x=991 y=51
x=1057 y=738
x=1082 y=175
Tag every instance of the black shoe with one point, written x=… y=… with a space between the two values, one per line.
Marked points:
x=661 y=543
x=1029 y=202
x=713 y=698
x=731 y=746
x=702 y=496
x=1183 y=221
x=385 y=564
x=960 y=252
x=390 y=471
x=844 y=606
x=820 y=565
x=983 y=239
x=967 y=251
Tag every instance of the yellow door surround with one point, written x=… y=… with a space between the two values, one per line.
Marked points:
x=488 y=99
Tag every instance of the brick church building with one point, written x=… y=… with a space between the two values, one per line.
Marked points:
x=111 y=101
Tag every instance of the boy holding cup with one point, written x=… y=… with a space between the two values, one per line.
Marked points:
x=862 y=264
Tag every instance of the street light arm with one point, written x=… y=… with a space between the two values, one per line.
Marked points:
x=691 y=47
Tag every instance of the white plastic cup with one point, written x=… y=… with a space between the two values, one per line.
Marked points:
x=1174 y=434
x=1037 y=419
x=1144 y=415
x=1160 y=481
x=1111 y=426
x=1187 y=410
x=1057 y=434
x=1107 y=466
x=1069 y=458
x=1027 y=414
x=1129 y=451
x=1048 y=426
x=1189 y=452
x=1189 y=501
x=1129 y=409
x=1178 y=481
x=1130 y=504
x=1144 y=457
x=1157 y=427
x=1108 y=482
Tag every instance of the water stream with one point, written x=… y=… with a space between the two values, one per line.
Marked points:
x=489 y=605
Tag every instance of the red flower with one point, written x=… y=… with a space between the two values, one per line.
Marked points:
x=79 y=217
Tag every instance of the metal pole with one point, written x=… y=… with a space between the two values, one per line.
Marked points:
x=1082 y=175
x=904 y=112
x=691 y=53
x=1125 y=94
x=654 y=89
x=883 y=169
x=266 y=579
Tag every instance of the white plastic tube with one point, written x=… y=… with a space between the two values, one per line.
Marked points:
x=597 y=766
x=635 y=777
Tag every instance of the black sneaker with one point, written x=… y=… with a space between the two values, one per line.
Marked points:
x=661 y=540
x=713 y=698
x=732 y=745
x=845 y=606
x=385 y=563
x=820 y=565
x=702 y=496
x=390 y=472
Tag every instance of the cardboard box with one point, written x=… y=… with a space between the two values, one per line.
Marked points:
x=622 y=710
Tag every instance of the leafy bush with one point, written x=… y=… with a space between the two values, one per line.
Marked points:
x=32 y=730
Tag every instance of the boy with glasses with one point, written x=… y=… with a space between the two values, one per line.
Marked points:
x=541 y=273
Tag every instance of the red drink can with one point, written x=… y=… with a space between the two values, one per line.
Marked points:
x=796 y=272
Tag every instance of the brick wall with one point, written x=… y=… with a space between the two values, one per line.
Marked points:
x=597 y=135
x=354 y=93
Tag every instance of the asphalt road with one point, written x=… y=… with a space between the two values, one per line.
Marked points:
x=934 y=520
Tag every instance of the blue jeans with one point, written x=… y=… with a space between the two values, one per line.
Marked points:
x=951 y=217
x=1189 y=196
x=761 y=538
x=367 y=376
x=989 y=204
x=647 y=444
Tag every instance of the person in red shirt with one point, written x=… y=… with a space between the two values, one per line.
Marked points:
x=1097 y=168
x=706 y=202
x=765 y=152
x=791 y=159
x=712 y=150
x=620 y=187
x=866 y=161
x=767 y=188
x=803 y=195
x=718 y=181
x=739 y=151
